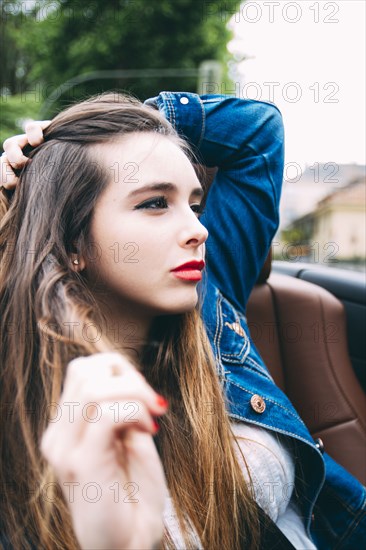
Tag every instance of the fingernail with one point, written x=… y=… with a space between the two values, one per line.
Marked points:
x=156 y=426
x=161 y=401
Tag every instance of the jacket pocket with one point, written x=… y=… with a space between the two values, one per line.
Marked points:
x=232 y=338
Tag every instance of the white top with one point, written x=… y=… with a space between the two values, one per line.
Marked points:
x=272 y=470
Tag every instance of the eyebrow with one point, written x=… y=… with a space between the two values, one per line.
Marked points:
x=163 y=186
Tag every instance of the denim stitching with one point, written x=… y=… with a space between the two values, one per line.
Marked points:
x=167 y=101
x=227 y=355
x=235 y=361
x=353 y=525
x=228 y=96
x=173 y=114
x=349 y=508
x=218 y=332
x=280 y=430
x=246 y=342
x=214 y=100
x=203 y=120
x=357 y=514
x=262 y=369
x=318 y=512
x=236 y=355
x=250 y=363
x=259 y=373
x=269 y=400
x=171 y=109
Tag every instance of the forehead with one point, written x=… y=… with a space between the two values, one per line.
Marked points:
x=146 y=155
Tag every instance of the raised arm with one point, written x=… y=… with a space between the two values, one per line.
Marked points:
x=245 y=140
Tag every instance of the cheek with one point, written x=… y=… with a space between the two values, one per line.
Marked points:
x=109 y=235
x=121 y=250
x=137 y=245
x=130 y=248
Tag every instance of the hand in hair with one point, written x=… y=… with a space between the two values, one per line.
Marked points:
x=102 y=448
x=13 y=158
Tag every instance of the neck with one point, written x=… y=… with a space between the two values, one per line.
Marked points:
x=125 y=325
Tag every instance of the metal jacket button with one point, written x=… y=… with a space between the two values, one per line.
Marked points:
x=184 y=100
x=257 y=403
x=319 y=444
x=236 y=327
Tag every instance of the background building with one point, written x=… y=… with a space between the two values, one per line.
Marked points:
x=304 y=188
x=334 y=231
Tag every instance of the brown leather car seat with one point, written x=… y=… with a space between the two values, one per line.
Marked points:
x=300 y=330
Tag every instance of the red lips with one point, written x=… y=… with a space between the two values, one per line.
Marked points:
x=194 y=264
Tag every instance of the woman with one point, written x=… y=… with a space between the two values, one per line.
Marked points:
x=245 y=140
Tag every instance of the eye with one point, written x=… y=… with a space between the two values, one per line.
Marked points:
x=156 y=203
x=198 y=209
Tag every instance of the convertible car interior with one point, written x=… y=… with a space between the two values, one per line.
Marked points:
x=311 y=336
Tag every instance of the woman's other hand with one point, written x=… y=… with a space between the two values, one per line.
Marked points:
x=13 y=157
x=101 y=448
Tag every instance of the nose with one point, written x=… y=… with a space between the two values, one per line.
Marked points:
x=194 y=233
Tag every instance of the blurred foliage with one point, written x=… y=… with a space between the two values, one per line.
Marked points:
x=294 y=235
x=47 y=42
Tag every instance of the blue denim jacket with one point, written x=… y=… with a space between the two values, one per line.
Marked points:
x=244 y=139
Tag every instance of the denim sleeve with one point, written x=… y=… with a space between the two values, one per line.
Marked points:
x=245 y=140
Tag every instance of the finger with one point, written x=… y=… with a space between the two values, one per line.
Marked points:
x=13 y=149
x=89 y=379
x=107 y=362
x=131 y=445
x=34 y=131
x=79 y=372
x=7 y=177
x=100 y=387
x=104 y=428
x=127 y=394
x=142 y=455
x=82 y=369
x=96 y=366
x=140 y=464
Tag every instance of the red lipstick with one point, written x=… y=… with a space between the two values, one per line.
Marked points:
x=190 y=271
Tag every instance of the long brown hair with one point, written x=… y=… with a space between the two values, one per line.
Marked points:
x=42 y=297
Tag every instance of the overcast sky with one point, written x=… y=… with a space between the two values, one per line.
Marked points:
x=312 y=57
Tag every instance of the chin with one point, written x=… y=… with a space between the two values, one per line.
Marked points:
x=176 y=306
x=185 y=309
x=178 y=309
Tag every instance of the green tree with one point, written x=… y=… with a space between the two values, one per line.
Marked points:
x=65 y=39
x=14 y=66
x=47 y=42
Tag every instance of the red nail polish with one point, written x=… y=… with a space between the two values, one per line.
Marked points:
x=156 y=426
x=161 y=401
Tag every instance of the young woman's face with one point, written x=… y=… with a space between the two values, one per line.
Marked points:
x=145 y=224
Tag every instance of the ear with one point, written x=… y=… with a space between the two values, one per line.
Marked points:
x=76 y=258
x=77 y=262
